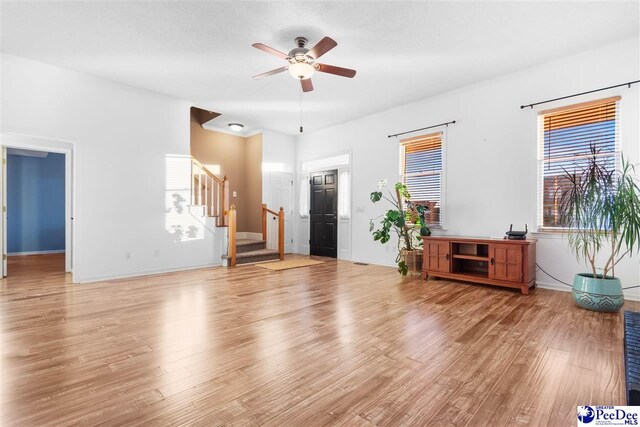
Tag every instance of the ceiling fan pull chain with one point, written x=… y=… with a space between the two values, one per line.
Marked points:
x=300 y=99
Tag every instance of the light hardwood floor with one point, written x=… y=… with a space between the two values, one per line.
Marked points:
x=333 y=344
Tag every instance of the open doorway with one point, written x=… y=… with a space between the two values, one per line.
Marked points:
x=35 y=212
x=37 y=218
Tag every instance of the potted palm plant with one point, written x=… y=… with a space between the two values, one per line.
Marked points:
x=599 y=208
x=407 y=220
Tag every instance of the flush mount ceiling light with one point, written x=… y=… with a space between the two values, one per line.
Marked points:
x=236 y=127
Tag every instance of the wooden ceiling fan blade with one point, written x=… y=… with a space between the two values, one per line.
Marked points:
x=322 y=47
x=307 y=86
x=338 y=71
x=270 y=73
x=270 y=50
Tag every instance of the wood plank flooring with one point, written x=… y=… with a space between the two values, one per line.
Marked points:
x=333 y=344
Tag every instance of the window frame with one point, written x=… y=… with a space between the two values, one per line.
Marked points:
x=443 y=172
x=540 y=158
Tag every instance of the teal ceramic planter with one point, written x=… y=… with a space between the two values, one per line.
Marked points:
x=597 y=294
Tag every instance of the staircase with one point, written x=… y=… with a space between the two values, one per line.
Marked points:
x=250 y=251
x=212 y=194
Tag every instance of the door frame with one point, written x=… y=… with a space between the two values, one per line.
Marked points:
x=38 y=143
x=344 y=224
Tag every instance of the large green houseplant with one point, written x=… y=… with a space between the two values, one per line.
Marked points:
x=600 y=210
x=405 y=219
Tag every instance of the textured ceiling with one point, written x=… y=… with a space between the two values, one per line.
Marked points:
x=403 y=51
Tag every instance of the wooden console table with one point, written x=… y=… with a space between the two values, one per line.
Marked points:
x=508 y=263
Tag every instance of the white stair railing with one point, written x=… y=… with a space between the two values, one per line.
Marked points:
x=211 y=192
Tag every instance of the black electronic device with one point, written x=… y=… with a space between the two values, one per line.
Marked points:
x=517 y=235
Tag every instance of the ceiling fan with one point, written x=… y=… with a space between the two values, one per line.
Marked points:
x=302 y=61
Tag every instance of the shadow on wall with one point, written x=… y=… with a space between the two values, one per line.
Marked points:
x=179 y=222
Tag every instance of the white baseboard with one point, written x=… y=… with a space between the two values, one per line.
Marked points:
x=56 y=251
x=629 y=294
x=553 y=286
x=104 y=278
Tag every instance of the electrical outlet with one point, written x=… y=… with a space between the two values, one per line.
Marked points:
x=127 y=255
x=156 y=253
x=235 y=194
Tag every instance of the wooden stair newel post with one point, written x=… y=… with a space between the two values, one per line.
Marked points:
x=225 y=199
x=232 y=235
x=281 y=233
x=264 y=222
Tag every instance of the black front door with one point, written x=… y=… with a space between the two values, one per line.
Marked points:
x=324 y=213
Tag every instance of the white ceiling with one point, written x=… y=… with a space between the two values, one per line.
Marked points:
x=403 y=51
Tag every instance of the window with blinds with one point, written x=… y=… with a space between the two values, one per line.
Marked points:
x=565 y=140
x=421 y=168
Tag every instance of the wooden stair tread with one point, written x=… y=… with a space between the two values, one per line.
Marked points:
x=244 y=246
x=257 y=253
x=247 y=242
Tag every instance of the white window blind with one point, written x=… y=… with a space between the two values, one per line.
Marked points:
x=304 y=197
x=344 y=197
x=565 y=139
x=421 y=168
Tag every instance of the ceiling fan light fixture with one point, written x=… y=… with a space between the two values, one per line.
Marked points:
x=236 y=127
x=301 y=70
x=302 y=62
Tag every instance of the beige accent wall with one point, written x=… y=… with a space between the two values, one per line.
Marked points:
x=253 y=179
x=240 y=159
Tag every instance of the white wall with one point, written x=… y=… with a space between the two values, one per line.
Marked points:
x=132 y=175
x=491 y=151
x=278 y=156
x=278 y=151
x=131 y=146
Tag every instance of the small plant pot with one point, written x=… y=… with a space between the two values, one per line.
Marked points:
x=598 y=294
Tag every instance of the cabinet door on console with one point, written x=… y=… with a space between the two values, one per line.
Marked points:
x=436 y=255
x=506 y=262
